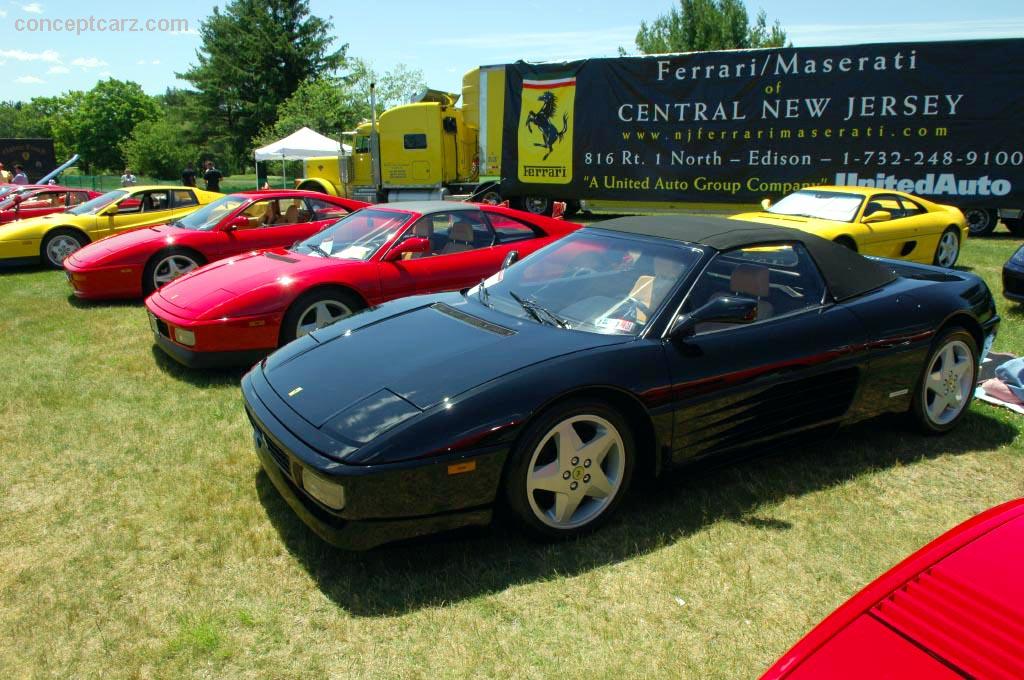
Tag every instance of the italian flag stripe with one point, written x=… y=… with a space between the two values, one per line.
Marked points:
x=548 y=84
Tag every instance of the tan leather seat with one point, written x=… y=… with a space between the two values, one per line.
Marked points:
x=754 y=280
x=666 y=272
x=291 y=215
x=422 y=229
x=460 y=238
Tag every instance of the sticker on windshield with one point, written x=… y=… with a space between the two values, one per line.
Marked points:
x=353 y=253
x=616 y=325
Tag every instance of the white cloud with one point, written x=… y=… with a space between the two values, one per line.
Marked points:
x=188 y=31
x=104 y=74
x=155 y=62
x=29 y=80
x=88 y=62
x=48 y=56
x=32 y=8
x=839 y=34
x=3 y=13
x=56 y=70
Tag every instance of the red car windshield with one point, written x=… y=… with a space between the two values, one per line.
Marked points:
x=98 y=203
x=355 y=237
x=209 y=216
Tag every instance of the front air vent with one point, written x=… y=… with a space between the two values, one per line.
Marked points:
x=475 y=321
x=280 y=258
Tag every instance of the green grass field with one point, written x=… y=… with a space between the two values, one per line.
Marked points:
x=139 y=539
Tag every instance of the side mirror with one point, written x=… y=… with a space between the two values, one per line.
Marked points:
x=766 y=203
x=877 y=216
x=18 y=200
x=238 y=222
x=730 y=309
x=417 y=244
x=510 y=259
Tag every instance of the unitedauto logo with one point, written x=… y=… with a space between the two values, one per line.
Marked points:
x=944 y=184
x=545 y=134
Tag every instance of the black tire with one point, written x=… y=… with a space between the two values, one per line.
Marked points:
x=920 y=412
x=1015 y=225
x=491 y=197
x=943 y=258
x=160 y=260
x=58 y=244
x=981 y=221
x=846 y=242
x=301 y=307
x=617 y=467
x=535 y=205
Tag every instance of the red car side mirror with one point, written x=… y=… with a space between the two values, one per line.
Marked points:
x=239 y=221
x=416 y=244
x=18 y=200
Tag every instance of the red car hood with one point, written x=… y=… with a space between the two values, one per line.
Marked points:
x=144 y=241
x=217 y=283
x=953 y=609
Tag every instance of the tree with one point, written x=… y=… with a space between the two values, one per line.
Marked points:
x=334 y=104
x=156 y=149
x=96 y=124
x=43 y=117
x=698 y=25
x=254 y=55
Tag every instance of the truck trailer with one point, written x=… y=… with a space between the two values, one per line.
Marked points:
x=719 y=130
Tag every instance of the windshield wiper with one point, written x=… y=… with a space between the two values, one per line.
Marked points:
x=535 y=310
x=313 y=246
x=483 y=294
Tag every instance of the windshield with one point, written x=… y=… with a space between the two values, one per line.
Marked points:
x=355 y=237
x=592 y=282
x=209 y=216
x=826 y=205
x=98 y=203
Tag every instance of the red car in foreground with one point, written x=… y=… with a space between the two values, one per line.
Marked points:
x=136 y=263
x=41 y=200
x=953 y=609
x=237 y=310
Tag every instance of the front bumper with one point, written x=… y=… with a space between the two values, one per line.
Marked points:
x=220 y=342
x=384 y=503
x=103 y=283
x=1013 y=282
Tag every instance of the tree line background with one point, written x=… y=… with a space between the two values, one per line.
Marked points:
x=266 y=68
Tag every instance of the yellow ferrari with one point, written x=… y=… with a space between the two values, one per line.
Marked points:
x=52 y=238
x=872 y=221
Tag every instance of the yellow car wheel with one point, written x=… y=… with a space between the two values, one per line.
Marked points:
x=948 y=250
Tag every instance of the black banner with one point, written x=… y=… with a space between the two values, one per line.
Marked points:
x=938 y=119
x=35 y=155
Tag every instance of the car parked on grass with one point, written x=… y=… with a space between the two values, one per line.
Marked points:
x=627 y=347
x=51 y=238
x=872 y=221
x=953 y=609
x=237 y=310
x=137 y=263
x=42 y=201
x=1013 y=276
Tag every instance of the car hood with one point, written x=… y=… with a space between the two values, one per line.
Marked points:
x=795 y=221
x=237 y=277
x=429 y=349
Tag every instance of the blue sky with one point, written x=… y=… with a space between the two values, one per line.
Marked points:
x=442 y=39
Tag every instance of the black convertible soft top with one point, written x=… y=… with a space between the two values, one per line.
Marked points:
x=847 y=273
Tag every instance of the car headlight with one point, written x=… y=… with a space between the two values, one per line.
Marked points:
x=1018 y=257
x=185 y=337
x=325 y=490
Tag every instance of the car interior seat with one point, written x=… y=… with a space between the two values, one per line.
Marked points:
x=291 y=215
x=422 y=229
x=460 y=237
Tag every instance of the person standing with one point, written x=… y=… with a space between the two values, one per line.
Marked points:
x=5 y=175
x=19 y=175
x=188 y=176
x=212 y=177
x=128 y=179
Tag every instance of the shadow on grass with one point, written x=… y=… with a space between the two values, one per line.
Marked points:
x=198 y=377
x=450 y=567
x=79 y=303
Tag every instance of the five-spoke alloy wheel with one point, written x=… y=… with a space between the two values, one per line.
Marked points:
x=948 y=250
x=571 y=469
x=947 y=384
x=317 y=309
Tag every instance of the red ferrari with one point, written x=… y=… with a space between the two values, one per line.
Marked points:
x=138 y=262
x=953 y=609
x=237 y=310
x=41 y=200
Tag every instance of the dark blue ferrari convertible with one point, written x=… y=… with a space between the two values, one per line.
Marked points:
x=625 y=348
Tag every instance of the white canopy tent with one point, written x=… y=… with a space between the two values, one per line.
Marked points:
x=299 y=146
